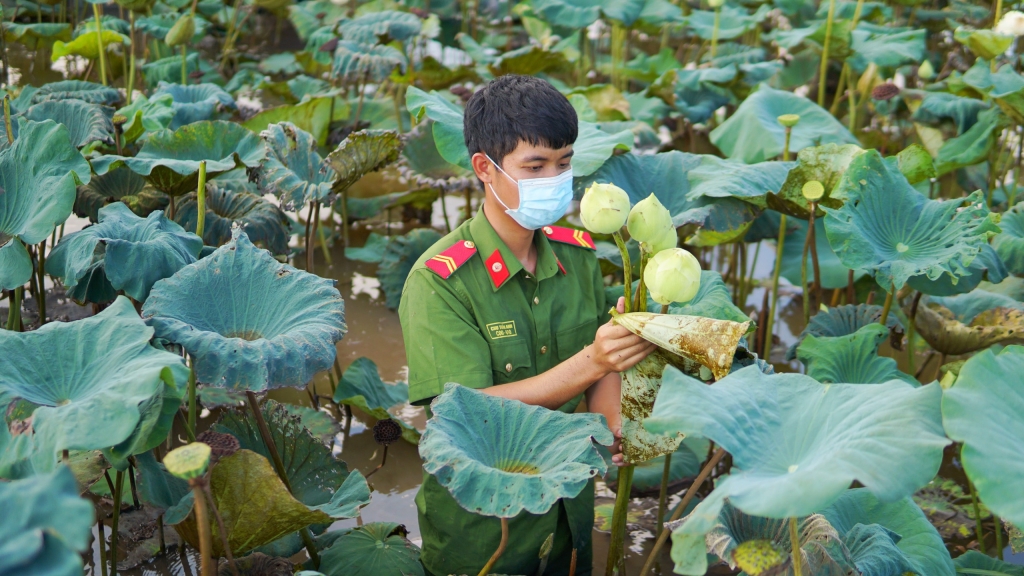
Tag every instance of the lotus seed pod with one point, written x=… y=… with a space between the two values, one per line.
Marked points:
x=716 y=4
x=926 y=71
x=813 y=190
x=386 y=432
x=648 y=220
x=758 y=556
x=788 y=120
x=221 y=445
x=119 y=120
x=188 y=462
x=604 y=208
x=668 y=240
x=672 y=275
x=181 y=32
x=885 y=91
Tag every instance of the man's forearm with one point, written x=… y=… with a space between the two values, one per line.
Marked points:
x=556 y=386
x=605 y=397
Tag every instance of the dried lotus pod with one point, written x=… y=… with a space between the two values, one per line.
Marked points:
x=221 y=445
x=386 y=432
x=886 y=91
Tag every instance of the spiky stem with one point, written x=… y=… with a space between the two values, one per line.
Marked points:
x=497 y=553
x=627 y=269
x=201 y=200
x=766 y=352
x=663 y=494
x=118 y=495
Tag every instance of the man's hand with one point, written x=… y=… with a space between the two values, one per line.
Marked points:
x=616 y=349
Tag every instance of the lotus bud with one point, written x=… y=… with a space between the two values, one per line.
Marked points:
x=188 y=462
x=672 y=275
x=648 y=220
x=716 y=4
x=788 y=120
x=926 y=71
x=604 y=208
x=181 y=32
x=1011 y=24
x=668 y=240
x=813 y=190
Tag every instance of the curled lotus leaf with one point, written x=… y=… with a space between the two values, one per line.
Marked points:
x=147 y=115
x=981 y=410
x=248 y=321
x=86 y=123
x=361 y=386
x=887 y=436
x=195 y=102
x=974 y=562
x=119 y=185
x=845 y=320
x=107 y=367
x=293 y=169
x=1009 y=243
x=850 y=359
x=870 y=231
x=950 y=334
x=132 y=253
x=382 y=27
x=265 y=224
x=357 y=62
x=46 y=526
x=169 y=160
x=986 y=267
x=399 y=257
x=499 y=457
x=825 y=164
x=361 y=153
x=91 y=92
x=706 y=341
x=376 y=548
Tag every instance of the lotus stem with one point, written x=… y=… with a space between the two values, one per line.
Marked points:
x=641 y=290
x=229 y=40
x=616 y=558
x=497 y=553
x=118 y=494
x=201 y=200
x=4 y=76
x=381 y=465
x=663 y=494
x=785 y=147
x=311 y=243
x=794 y=542
x=131 y=481
x=766 y=351
x=14 y=311
x=193 y=408
x=220 y=529
x=678 y=512
x=184 y=65
x=998 y=526
x=823 y=70
x=131 y=58
x=840 y=88
x=803 y=276
x=887 y=306
x=812 y=234
x=572 y=563
x=627 y=269
x=714 y=32
x=41 y=296
x=978 y=532
x=103 y=548
x=160 y=532
x=910 y=333
x=750 y=277
x=362 y=96
x=7 y=119
x=99 y=40
x=203 y=525
x=444 y=211
x=995 y=20
x=851 y=293
x=617 y=40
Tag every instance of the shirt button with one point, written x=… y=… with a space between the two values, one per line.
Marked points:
x=536 y=300
x=508 y=367
x=543 y=349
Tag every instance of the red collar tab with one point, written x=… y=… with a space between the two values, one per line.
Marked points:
x=446 y=263
x=572 y=236
x=497 y=269
x=560 y=267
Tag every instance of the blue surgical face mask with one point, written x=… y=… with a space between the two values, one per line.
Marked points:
x=542 y=201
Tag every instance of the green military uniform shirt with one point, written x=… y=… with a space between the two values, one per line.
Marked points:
x=471 y=314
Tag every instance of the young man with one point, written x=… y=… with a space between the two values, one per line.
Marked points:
x=512 y=305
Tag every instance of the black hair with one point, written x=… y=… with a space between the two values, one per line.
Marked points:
x=514 y=108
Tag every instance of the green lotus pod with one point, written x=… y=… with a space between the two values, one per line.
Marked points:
x=708 y=342
x=926 y=71
x=604 y=208
x=813 y=190
x=789 y=120
x=672 y=275
x=648 y=220
x=182 y=31
x=188 y=462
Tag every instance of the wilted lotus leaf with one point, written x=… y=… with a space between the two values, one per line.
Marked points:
x=640 y=386
x=982 y=411
x=293 y=169
x=382 y=27
x=870 y=231
x=86 y=123
x=1009 y=243
x=86 y=45
x=91 y=92
x=357 y=62
x=361 y=153
x=195 y=102
x=46 y=526
x=843 y=321
x=825 y=164
x=121 y=185
x=248 y=321
x=974 y=562
x=264 y=223
x=257 y=508
x=399 y=257
x=498 y=457
x=711 y=301
x=39 y=174
x=361 y=386
x=706 y=341
x=107 y=367
x=850 y=359
x=370 y=550
x=170 y=160
x=953 y=334
x=132 y=253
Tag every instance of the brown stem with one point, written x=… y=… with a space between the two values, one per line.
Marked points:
x=381 y=465
x=203 y=525
x=497 y=553
x=814 y=255
x=663 y=495
x=220 y=529
x=851 y=294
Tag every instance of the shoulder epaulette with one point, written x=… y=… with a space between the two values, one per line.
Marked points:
x=572 y=236
x=447 y=262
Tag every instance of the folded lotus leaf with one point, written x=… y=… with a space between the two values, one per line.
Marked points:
x=382 y=27
x=361 y=153
x=108 y=368
x=121 y=185
x=498 y=457
x=850 y=359
x=46 y=526
x=248 y=321
x=264 y=223
x=361 y=386
x=86 y=123
x=870 y=231
x=133 y=253
x=640 y=386
x=718 y=178
x=825 y=164
x=973 y=146
x=918 y=540
x=293 y=170
x=1009 y=243
x=194 y=102
x=987 y=266
x=843 y=321
x=147 y=115
x=967 y=307
x=401 y=254
x=39 y=174
x=832 y=271
x=974 y=562
x=170 y=160
x=706 y=341
x=941 y=329
x=370 y=550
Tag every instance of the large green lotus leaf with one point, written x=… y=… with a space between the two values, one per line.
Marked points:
x=99 y=365
x=293 y=170
x=718 y=178
x=1009 y=243
x=753 y=134
x=360 y=63
x=311 y=15
x=168 y=70
x=86 y=45
x=498 y=457
x=973 y=146
x=871 y=230
x=987 y=44
x=248 y=321
x=851 y=359
x=594 y=146
x=147 y=115
x=399 y=257
x=370 y=550
x=918 y=539
x=967 y=307
x=825 y=164
x=91 y=92
x=119 y=185
x=733 y=21
x=833 y=273
x=264 y=223
x=711 y=301
x=362 y=387
x=313 y=116
x=915 y=163
x=447 y=127
x=583 y=13
x=420 y=155
x=86 y=123
x=844 y=320
x=383 y=27
x=361 y=153
x=698 y=93
x=988 y=266
x=36 y=34
x=132 y=252
x=195 y=102
x=939 y=106
x=170 y=159
x=46 y=526
x=974 y=562
x=941 y=329
x=886 y=48
x=38 y=175
x=982 y=410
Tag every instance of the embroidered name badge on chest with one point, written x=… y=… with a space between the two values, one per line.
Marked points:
x=499 y=330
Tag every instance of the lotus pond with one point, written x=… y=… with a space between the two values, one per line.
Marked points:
x=208 y=211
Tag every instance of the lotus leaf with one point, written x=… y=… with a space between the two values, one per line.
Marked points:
x=310 y=15
x=399 y=257
x=86 y=123
x=974 y=145
x=833 y=273
x=988 y=266
x=248 y=321
x=433 y=75
x=718 y=178
x=987 y=44
x=294 y=171
x=845 y=320
x=376 y=548
x=708 y=342
x=936 y=107
x=170 y=160
x=264 y=223
x=753 y=133
x=31 y=34
x=46 y=526
x=195 y=102
x=147 y=115
x=383 y=27
x=363 y=63
x=447 y=127
x=361 y=153
x=168 y=70
x=99 y=365
x=943 y=238
x=362 y=387
x=91 y=92
x=918 y=539
x=156 y=486
x=594 y=146
x=120 y=185
x=974 y=562
x=87 y=45
x=583 y=13
x=1009 y=243
x=420 y=154
x=700 y=92
x=38 y=175
x=850 y=359
x=943 y=331
x=886 y=48
x=158 y=25
x=734 y=21
x=528 y=61
x=313 y=116
x=825 y=164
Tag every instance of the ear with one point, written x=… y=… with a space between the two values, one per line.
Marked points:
x=482 y=167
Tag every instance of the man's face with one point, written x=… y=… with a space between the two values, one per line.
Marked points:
x=525 y=162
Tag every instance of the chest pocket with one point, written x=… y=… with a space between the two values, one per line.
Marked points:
x=511 y=360
x=572 y=340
